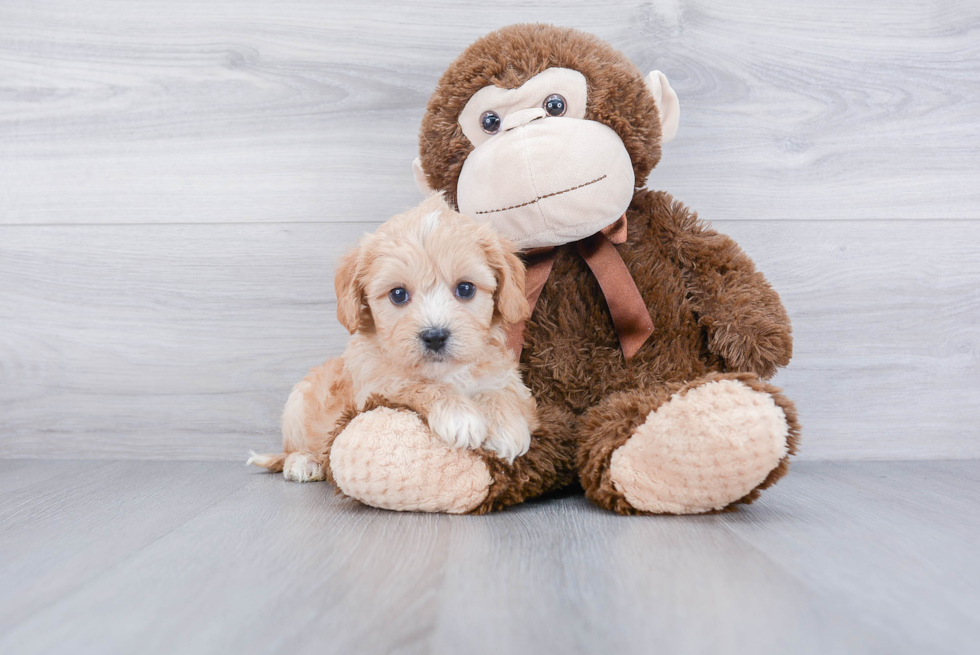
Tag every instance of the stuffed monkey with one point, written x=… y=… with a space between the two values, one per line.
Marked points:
x=652 y=335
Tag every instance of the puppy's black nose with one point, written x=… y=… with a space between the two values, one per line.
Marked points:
x=434 y=338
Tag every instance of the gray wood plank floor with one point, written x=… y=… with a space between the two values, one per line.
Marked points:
x=155 y=557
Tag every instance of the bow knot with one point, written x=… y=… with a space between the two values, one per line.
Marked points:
x=626 y=306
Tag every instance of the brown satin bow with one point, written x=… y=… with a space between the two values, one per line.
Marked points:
x=626 y=306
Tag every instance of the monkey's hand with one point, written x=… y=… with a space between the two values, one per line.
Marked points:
x=757 y=340
x=746 y=323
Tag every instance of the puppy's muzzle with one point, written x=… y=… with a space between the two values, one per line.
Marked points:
x=434 y=339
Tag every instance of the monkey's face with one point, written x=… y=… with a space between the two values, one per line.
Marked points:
x=540 y=172
x=544 y=132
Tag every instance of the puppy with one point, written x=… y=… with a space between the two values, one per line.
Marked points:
x=426 y=299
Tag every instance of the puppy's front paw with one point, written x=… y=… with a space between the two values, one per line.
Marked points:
x=510 y=438
x=457 y=423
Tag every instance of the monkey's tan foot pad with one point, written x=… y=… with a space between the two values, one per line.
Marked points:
x=387 y=458
x=702 y=450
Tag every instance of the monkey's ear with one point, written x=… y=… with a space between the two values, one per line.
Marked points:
x=667 y=104
x=350 y=295
x=420 y=180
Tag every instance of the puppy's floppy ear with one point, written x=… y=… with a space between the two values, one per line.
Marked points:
x=509 y=300
x=350 y=293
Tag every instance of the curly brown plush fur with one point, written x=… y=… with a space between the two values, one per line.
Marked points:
x=715 y=316
x=712 y=311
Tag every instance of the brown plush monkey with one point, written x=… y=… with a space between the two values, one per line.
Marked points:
x=652 y=334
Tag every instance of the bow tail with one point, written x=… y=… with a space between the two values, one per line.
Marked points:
x=629 y=312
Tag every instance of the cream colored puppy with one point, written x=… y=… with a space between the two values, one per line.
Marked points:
x=426 y=299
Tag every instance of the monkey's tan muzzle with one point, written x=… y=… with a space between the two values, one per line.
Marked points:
x=544 y=183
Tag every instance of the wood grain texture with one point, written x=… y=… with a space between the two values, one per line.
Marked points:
x=886 y=326
x=861 y=557
x=182 y=342
x=180 y=111
x=98 y=514
x=924 y=566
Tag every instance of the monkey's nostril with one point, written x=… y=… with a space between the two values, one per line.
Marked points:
x=434 y=338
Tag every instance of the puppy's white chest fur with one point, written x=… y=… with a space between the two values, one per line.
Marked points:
x=467 y=383
x=461 y=378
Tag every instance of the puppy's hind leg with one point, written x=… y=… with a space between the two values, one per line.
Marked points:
x=295 y=467
x=312 y=410
x=294 y=463
x=303 y=467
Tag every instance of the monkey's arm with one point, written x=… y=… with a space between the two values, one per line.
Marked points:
x=745 y=321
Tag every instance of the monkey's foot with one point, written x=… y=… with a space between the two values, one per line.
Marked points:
x=388 y=458
x=704 y=449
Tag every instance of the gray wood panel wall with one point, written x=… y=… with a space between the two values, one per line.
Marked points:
x=178 y=177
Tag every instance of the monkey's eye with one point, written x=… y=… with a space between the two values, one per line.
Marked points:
x=554 y=105
x=465 y=290
x=398 y=296
x=490 y=122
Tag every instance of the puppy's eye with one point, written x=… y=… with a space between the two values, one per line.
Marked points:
x=490 y=122
x=554 y=104
x=398 y=296
x=465 y=290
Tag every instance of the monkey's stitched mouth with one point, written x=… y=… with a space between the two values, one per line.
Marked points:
x=539 y=198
